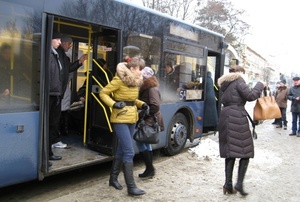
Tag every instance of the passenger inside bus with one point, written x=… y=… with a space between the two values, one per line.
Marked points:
x=66 y=44
x=5 y=75
x=210 y=120
x=76 y=115
x=171 y=79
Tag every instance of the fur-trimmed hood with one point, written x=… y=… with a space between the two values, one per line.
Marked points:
x=226 y=79
x=149 y=83
x=127 y=76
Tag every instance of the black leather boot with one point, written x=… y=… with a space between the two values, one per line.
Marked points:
x=148 y=159
x=132 y=189
x=114 y=173
x=229 y=165
x=243 y=165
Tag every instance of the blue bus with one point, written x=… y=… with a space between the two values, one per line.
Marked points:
x=108 y=30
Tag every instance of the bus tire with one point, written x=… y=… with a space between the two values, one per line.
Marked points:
x=177 y=135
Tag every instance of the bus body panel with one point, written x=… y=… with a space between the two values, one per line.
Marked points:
x=19 y=149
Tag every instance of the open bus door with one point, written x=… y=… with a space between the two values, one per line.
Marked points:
x=95 y=143
x=102 y=69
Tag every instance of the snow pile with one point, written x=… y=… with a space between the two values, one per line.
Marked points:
x=207 y=149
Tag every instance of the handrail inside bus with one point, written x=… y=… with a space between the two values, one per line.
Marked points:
x=99 y=66
x=106 y=116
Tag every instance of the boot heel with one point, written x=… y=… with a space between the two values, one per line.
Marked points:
x=228 y=191
x=240 y=190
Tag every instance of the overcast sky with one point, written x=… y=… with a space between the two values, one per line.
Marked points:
x=274 y=30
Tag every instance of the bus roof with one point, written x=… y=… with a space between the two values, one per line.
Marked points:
x=168 y=16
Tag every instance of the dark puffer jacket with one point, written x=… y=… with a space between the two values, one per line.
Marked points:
x=235 y=139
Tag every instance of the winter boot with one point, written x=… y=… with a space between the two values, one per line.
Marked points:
x=150 y=171
x=229 y=165
x=114 y=173
x=243 y=164
x=132 y=189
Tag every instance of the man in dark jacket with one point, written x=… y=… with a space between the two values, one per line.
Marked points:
x=56 y=92
x=294 y=96
x=235 y=139
x=66 y=44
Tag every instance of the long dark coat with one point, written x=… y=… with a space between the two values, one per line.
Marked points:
x=235 y=138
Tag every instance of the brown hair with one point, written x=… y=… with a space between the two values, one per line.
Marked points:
x=136 y=62
x=237 y=69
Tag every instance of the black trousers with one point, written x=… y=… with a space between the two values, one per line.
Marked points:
x=54 y=120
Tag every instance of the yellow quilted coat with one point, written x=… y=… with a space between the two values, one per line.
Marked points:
x=123 y=87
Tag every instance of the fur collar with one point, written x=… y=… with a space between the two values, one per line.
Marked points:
x=127 y=76
x=149 y=83
x=229 y=78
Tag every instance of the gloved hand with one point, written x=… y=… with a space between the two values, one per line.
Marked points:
x=119 y=105
x=146 y=108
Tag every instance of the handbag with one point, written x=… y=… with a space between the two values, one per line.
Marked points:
x=266 y=108
x=146 y=133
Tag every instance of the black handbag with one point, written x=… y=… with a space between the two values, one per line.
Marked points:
x=145 y=133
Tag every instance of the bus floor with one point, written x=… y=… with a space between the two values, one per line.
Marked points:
x=75 y=155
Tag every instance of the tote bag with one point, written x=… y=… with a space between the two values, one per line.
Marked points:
x=266 y=108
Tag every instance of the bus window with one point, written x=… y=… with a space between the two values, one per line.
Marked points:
x=182 y=72
x=19 y=65
x=147 y=46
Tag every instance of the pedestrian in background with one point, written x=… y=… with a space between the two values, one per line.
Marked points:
x=294 y=96
x=150 y=94
x=235 y=138
x=124 y=103
x=281 y=99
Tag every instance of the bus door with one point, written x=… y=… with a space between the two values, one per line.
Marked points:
x=104 y=61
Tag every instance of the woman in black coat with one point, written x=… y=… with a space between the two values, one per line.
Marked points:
x=235 y=139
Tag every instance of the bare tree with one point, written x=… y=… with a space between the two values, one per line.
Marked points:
x=220 y=16
x=181 y=9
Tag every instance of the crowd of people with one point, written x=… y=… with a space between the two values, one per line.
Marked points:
x=135 y=87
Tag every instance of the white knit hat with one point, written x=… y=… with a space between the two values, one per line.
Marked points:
x=147 y=72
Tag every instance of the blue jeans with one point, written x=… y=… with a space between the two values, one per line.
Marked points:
x=125 y=149
x=143 y=147
x=296 y=118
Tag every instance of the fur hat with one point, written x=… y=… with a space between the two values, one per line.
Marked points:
x=66 y=38
x=147 y=72
x=56 y=35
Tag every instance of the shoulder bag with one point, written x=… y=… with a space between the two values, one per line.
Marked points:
x=146 y=133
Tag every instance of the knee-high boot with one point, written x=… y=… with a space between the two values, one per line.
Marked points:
x=132 y=189
x=114 y=173
x=229 y=165
x=243 y=165
x=148 y=159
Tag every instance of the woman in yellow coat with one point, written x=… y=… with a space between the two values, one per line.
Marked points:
x=122 y=95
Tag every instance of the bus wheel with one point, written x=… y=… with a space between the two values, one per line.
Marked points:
x=177 y=134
